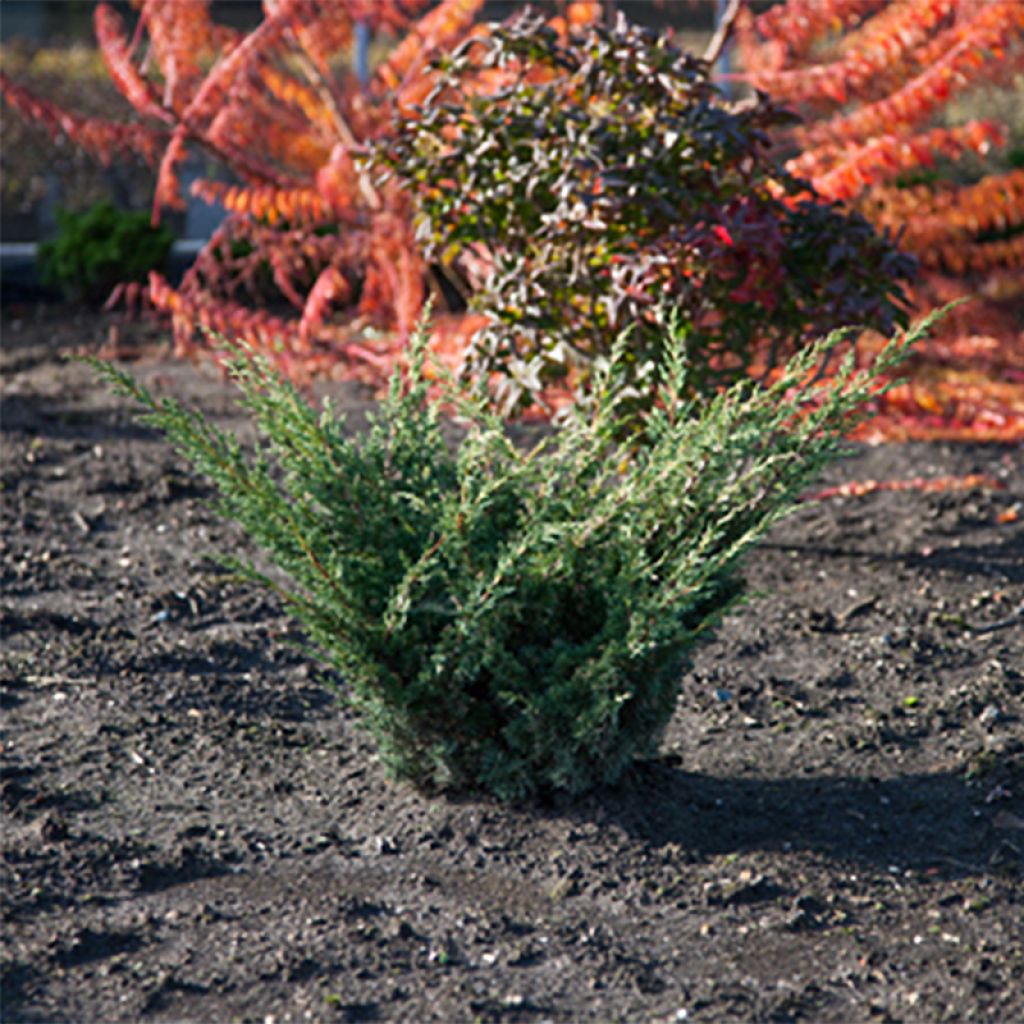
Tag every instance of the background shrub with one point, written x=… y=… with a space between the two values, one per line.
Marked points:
x=517 y=621
x=581 y=181
x=102 y=247
x=319 y=270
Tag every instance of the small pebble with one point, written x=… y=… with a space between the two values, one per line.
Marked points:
x=989 y=716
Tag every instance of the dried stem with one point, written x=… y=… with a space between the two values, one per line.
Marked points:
x=723 y=32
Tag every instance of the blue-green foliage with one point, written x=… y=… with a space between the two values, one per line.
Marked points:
x=512 y=620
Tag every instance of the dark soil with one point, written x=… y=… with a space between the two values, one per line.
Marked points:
x=194 y=829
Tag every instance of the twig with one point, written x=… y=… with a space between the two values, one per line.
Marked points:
x=324 y=89
x=43 y=680
x=1011 y=620
x=723 y=32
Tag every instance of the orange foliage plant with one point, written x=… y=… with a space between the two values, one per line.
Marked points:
x=315 y=264
x=874 y=80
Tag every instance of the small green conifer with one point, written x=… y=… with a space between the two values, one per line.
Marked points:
x=507 y=620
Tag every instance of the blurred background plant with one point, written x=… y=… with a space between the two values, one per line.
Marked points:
x=913 y=114
x=913 y=118
x=37 y=173
x=101 y=248
x=577 y=184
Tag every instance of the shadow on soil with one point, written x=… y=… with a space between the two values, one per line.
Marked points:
x=1004 y=560
x=933 y=822
x=30 y=414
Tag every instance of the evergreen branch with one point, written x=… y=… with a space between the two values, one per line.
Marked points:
x=518 y=621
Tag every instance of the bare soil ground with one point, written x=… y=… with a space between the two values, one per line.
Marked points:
x=194 y=829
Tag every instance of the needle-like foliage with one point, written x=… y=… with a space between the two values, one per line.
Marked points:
x=507 y=620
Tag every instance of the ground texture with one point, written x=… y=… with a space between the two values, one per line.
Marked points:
x=195 y=830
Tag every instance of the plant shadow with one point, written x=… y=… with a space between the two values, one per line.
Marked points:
x=937 y=822
x=1003 y=559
